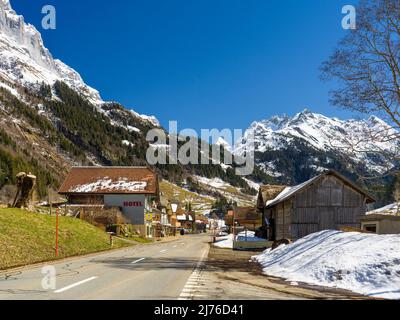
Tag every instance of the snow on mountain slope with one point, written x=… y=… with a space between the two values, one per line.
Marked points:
x=322 y=133
x=25 y=61
x=228 y=191
x=224 y=144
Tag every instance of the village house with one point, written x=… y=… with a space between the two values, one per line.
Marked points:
x=115 y=195
x=249 y=218
x=186 y=220
x=381 y=224
x=328 y=201
x=385 y=220
x=201 y=222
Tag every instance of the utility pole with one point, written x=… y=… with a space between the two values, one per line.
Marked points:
x=57 y=222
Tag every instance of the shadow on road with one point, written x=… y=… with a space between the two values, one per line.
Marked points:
x=149 y=263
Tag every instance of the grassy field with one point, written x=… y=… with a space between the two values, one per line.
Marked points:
x=27 y=238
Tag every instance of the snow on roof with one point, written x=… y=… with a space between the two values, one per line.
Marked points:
x=112 y=180
x=289 y=191
x=364 y=263
x=390 y=210
x=108 y=184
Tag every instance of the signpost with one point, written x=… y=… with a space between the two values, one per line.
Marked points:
x=57 y=222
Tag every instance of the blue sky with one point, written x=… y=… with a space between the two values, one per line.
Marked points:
x=206 y=63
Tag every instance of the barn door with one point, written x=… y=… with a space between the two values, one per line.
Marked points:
x=327 y=218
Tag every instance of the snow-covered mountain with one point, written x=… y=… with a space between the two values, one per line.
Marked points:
x=25 y=61
x=50 y=120
x=323 y=135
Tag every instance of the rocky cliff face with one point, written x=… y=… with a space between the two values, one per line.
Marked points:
x=26 y=61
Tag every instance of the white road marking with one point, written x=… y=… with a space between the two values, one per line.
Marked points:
x=162 y=251
x=75 y=285
x=175 y=246
x=138 y=260
x=193 y=281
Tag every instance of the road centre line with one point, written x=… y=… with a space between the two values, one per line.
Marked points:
x=138 y=260
x=75 y=285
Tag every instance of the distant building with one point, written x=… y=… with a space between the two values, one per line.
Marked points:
x=328 y=201
x=134 y=190
x=385 y=220
x=247 y=217
x=265 y=194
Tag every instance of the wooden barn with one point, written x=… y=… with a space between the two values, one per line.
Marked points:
x=328 y=201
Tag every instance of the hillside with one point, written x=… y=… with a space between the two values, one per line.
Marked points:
x=27 y=238
x=203 y=193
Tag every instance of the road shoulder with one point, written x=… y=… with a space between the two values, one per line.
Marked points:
x=238 y=275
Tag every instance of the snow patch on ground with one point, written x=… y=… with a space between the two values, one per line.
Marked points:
x=365 y=263
x=128 y=143
x=215 y=182
x=227 y=242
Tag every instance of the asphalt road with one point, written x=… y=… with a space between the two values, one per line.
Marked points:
x=149 y=272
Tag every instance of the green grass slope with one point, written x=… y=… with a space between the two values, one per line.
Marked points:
x=27 y=238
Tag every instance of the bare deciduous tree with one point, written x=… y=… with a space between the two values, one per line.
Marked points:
x=366 y=65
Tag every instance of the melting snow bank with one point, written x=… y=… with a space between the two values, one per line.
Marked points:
x=224 y=242
x=227 y=242
x=365 y=263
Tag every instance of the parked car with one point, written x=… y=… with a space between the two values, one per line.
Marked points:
x=183 y=231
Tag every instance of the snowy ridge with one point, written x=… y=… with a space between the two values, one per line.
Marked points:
x=322 y=133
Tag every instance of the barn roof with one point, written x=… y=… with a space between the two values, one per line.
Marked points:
x=291 y=191
x=110 y=180
x=269 y=192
